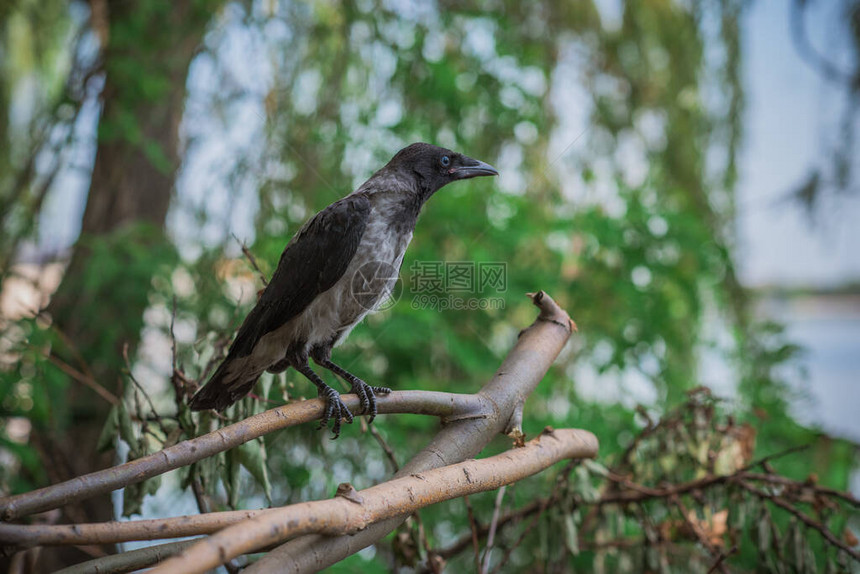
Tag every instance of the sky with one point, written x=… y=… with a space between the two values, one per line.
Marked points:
x=789 y=126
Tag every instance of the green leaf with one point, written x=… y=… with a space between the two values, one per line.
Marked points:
x=107 y=438
x=762 y=532
x=126 y=427
x=133 y=495
x=810 y=566
x=595 y=467
x=253 y=457
x=583 y=485
x=571 y=534
x=233 y=477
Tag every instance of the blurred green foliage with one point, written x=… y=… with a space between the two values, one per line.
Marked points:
x=626 y=224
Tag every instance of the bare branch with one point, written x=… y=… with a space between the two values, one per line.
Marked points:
x=561 y=481
x=699 y=533
x=813 y=58
x=494 y=523
x=519 y=374
x=443 y=405
x=250 y=256
x=386 y=448
x=28 y=535
x=764 y=461
x=641 y=493
x=796 y=484
x=805 y=518
x=129 y=561
x=473 y=527
x=351 y=510
x=84 y=379
x=722 y=558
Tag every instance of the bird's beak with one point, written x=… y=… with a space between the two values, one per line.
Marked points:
x=472 y=168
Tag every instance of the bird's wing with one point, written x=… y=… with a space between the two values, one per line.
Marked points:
x=311 y=264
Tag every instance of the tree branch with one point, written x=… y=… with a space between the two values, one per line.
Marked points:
x=481 y=530
x=84 y=379
x=29 y=535
x=445 y=405
x=470 y=421
x=812 y=57
x=803 y=517
x=523 y=368
x=701 y=535
x=350 y=510
x=129 y=561
x=641 y=493
x=494 y=523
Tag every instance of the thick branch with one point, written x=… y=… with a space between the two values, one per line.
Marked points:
x=445 y=405
x=129 y=561
x=519 y=374
x=352 y=510
x=28 y=535
x=517 y=377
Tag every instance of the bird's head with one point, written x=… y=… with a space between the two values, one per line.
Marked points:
x=434 y=167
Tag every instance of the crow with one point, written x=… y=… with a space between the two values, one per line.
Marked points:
x=338 y=267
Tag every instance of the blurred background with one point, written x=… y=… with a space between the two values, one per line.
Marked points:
x=680 y=175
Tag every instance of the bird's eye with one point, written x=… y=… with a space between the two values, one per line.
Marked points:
x=446 y=161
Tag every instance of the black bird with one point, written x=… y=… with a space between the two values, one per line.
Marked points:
x=339 y=266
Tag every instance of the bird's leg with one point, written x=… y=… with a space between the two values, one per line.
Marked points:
x=365 y=392
x=334 y=407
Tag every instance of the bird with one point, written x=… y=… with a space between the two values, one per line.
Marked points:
x=340 y=265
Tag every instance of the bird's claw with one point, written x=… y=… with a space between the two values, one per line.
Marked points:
x=367 y=397
x=334 y=410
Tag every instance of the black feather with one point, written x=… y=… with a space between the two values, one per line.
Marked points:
x=311 y=264
x=218 y=393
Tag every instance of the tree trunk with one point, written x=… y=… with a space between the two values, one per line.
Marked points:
x=99 y=305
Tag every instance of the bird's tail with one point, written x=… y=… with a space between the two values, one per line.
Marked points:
x=224 y=388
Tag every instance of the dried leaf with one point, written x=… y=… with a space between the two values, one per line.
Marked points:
x=717 y=527
x=133 y=495
x=736 y=450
